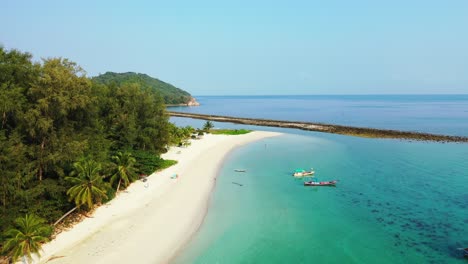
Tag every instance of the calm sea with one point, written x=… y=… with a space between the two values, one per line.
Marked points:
x=442 y=114
x=396 y=201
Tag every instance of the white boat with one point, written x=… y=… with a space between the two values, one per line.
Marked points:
x=303 y=173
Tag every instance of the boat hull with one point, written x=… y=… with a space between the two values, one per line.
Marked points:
x=325 y=183
x=303 y=174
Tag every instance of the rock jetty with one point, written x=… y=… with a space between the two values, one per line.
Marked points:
x=328 y=128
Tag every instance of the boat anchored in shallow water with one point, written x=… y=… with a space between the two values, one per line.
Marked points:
x=323 y=183
x=303 y=173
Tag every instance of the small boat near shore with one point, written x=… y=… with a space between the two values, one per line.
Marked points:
x=303 y=173
x=323 y=183
x=238 y=170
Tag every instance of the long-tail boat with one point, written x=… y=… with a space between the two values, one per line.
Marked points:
x=323 y=183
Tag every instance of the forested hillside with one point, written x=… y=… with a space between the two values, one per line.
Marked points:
x=67 y=142
x=170 y=93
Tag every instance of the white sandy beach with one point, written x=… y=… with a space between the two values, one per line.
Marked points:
x=149 y=224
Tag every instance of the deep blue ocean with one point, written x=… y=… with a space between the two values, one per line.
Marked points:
x=396 y=201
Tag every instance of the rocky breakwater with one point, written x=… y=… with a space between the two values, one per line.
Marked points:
x=328 y=128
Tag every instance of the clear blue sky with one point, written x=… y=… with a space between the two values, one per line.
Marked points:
x=255 y=47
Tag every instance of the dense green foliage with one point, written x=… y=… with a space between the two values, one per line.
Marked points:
x=170 y=93
x=59 y=131
x=230 y=131
x=148 y=163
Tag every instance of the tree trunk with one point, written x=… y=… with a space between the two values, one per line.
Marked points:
x=4 y=198
x=4 y=191
x=40 y=171
x=41 y=157
x=4 y=120
x=118 y=185
x=65 y=215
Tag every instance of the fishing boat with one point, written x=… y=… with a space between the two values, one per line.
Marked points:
x=323 y=183
x=238 y=170
x=465 y=252
x=303 y=173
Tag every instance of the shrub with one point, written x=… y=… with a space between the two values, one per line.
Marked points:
x=147 y=162
x=230 y=131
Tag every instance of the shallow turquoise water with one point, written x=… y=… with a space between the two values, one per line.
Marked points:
x=396 y=202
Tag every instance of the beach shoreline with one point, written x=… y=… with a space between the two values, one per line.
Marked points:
x=151 y=222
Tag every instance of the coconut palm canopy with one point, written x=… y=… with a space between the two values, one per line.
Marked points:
x=124 y=169
x=26 y=237
x=89 y=186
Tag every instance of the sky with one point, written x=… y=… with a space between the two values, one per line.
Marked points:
x=255 y=47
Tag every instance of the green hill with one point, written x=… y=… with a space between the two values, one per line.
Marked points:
x=170 y=93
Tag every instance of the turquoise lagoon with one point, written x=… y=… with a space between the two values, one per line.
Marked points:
x=396 y=201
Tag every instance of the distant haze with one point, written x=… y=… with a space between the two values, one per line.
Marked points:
x=255 y=47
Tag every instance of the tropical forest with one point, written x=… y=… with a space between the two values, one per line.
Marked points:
x=70 y=142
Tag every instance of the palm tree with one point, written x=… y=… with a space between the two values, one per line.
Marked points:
x=187 y=131
x=207 y=126
x=26 y=238
x=124 y=169
x=89 y=186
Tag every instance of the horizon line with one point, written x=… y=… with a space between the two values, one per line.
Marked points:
x=370 y=94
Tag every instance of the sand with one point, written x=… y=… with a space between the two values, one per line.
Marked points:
x=150 y=222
